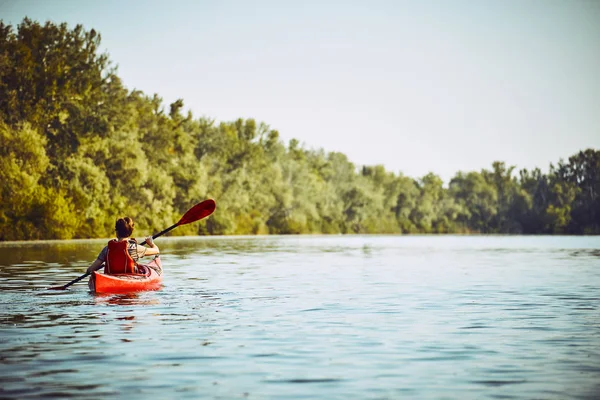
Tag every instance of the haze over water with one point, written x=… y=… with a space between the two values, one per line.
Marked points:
x=339 y=317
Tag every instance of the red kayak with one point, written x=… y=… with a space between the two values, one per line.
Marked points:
x=149 y=278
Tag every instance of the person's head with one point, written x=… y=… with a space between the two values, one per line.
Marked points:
x=124 y=227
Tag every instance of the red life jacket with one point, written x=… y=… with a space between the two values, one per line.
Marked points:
x=118 y=259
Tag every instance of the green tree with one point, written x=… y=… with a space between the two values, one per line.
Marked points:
x=79 y=149
x=27 y=209
x=478 y=197
x=583 y=171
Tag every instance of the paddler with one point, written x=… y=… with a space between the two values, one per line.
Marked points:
x=120 y=255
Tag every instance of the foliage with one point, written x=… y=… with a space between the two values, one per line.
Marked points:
x=78 y=149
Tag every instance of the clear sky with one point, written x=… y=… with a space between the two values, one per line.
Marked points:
x=418 y=86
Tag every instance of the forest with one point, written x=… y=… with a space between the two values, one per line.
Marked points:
x=78 y=149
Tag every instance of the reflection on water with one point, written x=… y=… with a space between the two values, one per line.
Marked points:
x=128 y=299
x=423 y=317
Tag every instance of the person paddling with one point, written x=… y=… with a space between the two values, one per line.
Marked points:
x=120 y=255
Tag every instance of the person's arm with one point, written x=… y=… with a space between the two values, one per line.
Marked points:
x=96 y=265
x=149 y=251
x=99 y=263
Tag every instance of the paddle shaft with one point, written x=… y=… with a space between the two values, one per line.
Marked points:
x=73 y=281
x=165 y=231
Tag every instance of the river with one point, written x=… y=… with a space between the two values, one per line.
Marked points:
x=310 y=317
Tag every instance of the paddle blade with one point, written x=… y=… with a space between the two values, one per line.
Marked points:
x=57 y=288
x=199 y=211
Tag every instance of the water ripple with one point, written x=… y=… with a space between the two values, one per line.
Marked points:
x=339 y=317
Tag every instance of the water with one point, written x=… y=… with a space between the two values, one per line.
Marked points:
x=303 y=317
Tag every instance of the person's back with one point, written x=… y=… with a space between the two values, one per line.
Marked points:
x=120 y=255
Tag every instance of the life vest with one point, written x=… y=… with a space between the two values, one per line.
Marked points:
x=118 y=259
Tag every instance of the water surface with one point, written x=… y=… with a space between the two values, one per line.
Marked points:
x=302 y=317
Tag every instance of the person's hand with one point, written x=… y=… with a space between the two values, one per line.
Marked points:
x=96 y=265
x=150 y=241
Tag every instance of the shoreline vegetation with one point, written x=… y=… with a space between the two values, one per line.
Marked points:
x=77 y=149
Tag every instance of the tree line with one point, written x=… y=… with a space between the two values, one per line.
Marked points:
x=78 y=149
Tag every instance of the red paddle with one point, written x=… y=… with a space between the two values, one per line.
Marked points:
x=199 y=211
x=196 y=213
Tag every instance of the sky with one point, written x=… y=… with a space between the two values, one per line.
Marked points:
x=417 y=86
